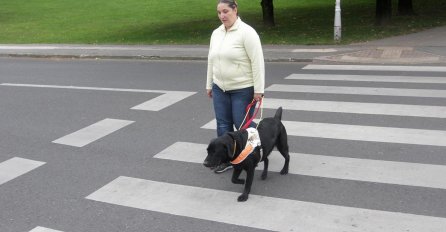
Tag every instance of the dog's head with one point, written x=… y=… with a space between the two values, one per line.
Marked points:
x=219 y=151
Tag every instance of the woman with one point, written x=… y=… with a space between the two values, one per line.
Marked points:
x=236 y=69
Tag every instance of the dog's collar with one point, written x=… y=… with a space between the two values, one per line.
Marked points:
x=235 y=146
x=253 y=141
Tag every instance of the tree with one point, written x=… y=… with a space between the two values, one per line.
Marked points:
x=268 y=12
x=383 y=11
x=405 y=7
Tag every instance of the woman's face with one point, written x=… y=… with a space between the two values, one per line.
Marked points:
x=226 y=14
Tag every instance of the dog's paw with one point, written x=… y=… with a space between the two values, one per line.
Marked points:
x=264 y=175
x=284 y=171
x=242 y=197
x=238 y=181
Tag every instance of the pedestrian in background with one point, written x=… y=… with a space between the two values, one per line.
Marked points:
x=236 y=70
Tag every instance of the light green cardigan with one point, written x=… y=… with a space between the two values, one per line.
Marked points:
x=235 y=59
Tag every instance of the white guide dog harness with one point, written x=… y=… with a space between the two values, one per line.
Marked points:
x=252 y=142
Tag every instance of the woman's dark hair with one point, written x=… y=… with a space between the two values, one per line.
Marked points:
x=231 y=3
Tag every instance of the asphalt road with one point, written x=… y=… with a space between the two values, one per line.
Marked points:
x=390 y=177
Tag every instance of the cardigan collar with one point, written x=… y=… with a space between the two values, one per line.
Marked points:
x=233 y=27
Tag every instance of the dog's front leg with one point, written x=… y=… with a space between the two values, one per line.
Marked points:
x=248 y=183
x=235 y=176
x=265 y=169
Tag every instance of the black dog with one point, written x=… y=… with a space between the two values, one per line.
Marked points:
x=228 y=147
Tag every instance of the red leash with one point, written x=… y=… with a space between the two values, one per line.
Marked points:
x=248 y=108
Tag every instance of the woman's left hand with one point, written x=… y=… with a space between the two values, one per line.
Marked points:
x=258 y=96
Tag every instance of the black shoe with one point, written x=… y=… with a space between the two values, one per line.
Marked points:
x=223 y=168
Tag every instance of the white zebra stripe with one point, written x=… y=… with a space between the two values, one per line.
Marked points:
x=156 y=104
x=15 y=167
x=376 y=68
x=357 y=107
x=93 y=132
x=260 y=212
x=163 y=101
x=367 y=133
x=388 y=172
x=434 y=93
x=43 y=229
x=368 y=78
x=360 y=133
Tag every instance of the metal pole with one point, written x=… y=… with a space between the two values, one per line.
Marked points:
x=337 y=21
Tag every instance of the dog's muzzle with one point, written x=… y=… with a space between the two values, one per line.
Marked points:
x=209 y=165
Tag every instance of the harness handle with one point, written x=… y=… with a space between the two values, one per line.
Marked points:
x=248 y=108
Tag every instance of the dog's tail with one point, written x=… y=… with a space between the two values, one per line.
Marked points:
x=278 y=114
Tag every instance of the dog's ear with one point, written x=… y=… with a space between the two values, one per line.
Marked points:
x=230 y=145
x=230 y=151
x=211 y=147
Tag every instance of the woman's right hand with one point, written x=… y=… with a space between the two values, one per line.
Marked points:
x=209 y=92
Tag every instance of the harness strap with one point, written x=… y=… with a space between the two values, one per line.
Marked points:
x=245 y=153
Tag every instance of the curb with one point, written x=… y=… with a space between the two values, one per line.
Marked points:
x=142 y=57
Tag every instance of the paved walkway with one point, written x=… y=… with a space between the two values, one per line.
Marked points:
x=426 y=47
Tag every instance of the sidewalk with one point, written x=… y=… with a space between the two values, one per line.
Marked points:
x=426 y=47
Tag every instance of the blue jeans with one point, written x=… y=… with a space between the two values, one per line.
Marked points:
x=230 y=108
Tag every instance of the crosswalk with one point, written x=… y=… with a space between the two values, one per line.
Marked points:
x=294 y=215
x=278 y=213
x=260 y=212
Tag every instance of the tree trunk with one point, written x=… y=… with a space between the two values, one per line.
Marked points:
x=383 y=11
x=405 y=7
x=268 y=12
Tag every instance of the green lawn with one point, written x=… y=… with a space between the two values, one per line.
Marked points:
x=192 y=21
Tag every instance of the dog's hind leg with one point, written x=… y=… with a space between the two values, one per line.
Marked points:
x=235 y=176
x=282 y=146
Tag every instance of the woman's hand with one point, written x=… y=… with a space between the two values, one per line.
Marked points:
x=258 y=96
x=209 y=92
